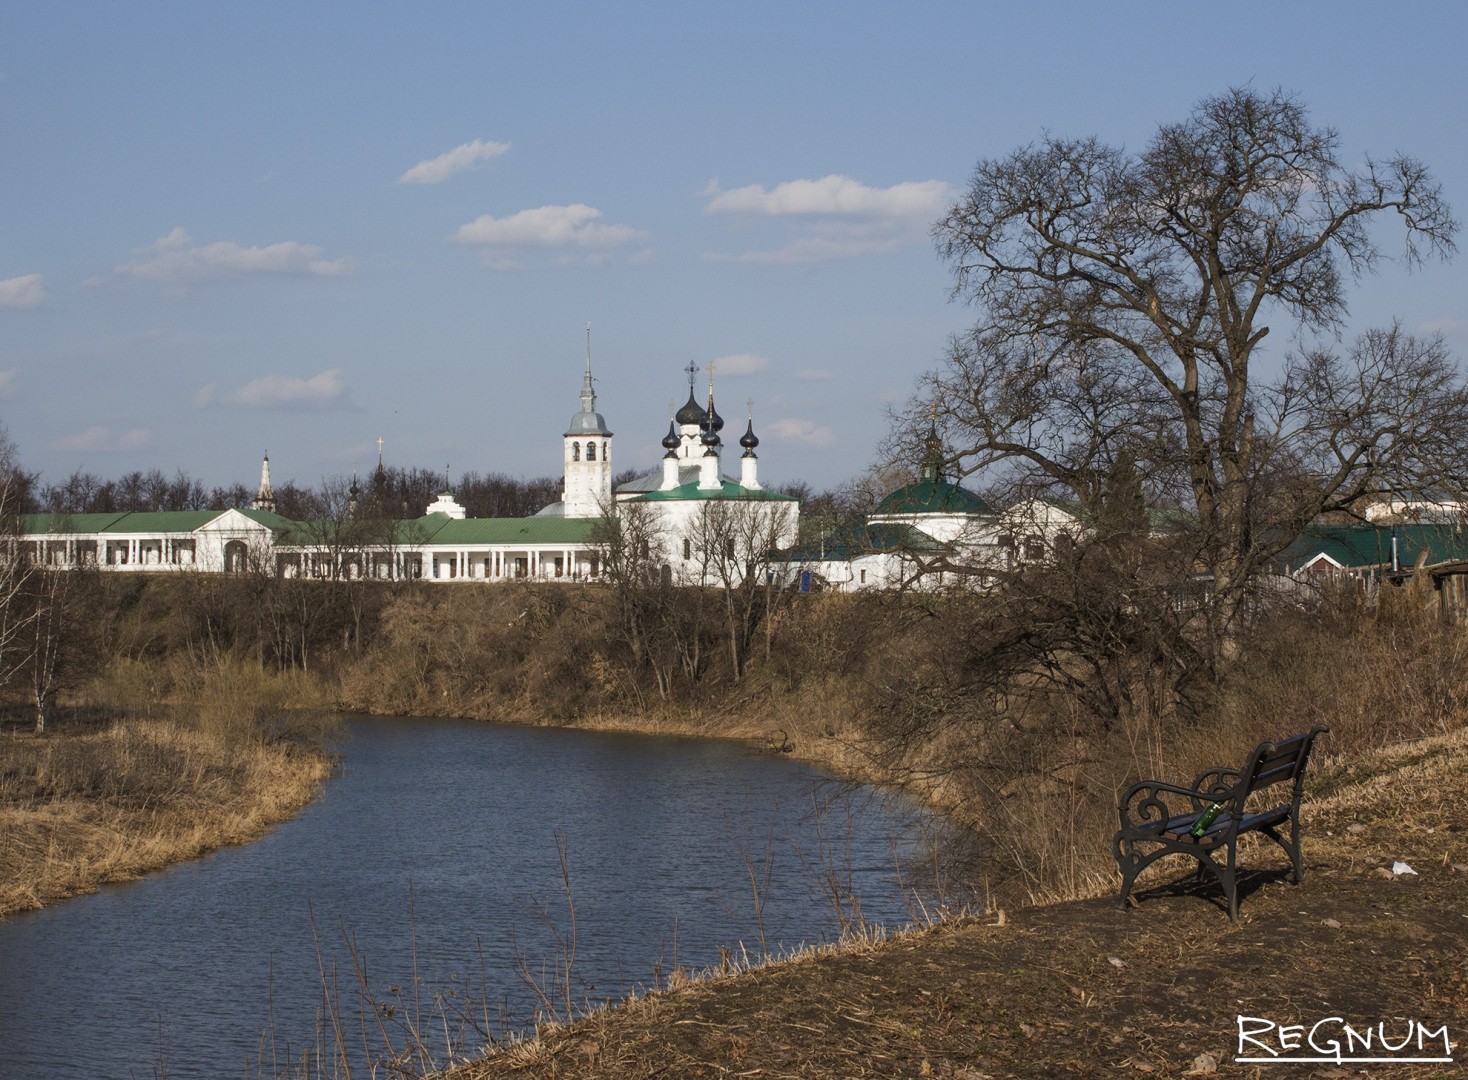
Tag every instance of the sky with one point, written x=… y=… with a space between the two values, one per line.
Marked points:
x=231 y=229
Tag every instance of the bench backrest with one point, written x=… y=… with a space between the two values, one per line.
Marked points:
x=1277 y=763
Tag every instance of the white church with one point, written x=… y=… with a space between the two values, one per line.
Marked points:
x=683 y=509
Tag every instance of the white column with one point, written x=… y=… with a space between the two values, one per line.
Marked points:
x=708 y=472
x=748 y=473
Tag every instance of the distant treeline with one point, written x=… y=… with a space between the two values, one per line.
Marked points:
x=398 y=492
x=395 y=493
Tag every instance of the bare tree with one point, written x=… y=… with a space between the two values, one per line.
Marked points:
x=739 y=538
x=1124 y=301
x=57 y=624
x=17 y=564
x=631 y=547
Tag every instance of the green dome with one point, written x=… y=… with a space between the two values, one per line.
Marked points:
x=932 y=497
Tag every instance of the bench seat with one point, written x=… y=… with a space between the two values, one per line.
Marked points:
x=1154 y=822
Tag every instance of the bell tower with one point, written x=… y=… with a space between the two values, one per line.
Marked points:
x=587 y=454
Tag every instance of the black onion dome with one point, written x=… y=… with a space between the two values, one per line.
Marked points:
x=711 y=436
x=715 y=421
x=691 y=413
x=671 y=439
x=749 y=440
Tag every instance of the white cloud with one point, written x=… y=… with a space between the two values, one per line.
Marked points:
x=832 y=195
x=577 y=226
x=794 y=429
x=835 y=217
x=94 y=438
x=739 y=364
x=175 y=259
x=464 y=156
x=823 y=241
x=8 y=383
x=270 y=391
x=98 y=437
x=26 y=291
x=1431 y=326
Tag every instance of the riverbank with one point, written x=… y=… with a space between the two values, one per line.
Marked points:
x=1082 y=989
x=97 y=802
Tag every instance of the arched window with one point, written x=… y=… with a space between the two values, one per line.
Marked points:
x=575 y=451
x=591 y=451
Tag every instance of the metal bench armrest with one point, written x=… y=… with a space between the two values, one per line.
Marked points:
x=1216 y=784
x=1144 y=811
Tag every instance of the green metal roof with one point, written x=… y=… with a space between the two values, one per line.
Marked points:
x=33 y=524
x=932 y=497
x=515 y=531
x=727 y=489
x=852 y=541
x=269 y=519
x=1359 y=547
x=165 y=521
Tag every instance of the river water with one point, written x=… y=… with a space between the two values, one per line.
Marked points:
x=427 y=884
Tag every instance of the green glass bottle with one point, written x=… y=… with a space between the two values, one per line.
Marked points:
x=1205 y=819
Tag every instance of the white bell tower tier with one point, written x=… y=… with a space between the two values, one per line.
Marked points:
x=588 y=455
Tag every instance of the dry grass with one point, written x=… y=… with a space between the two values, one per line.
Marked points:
x=91 y=802
x=1080 y=988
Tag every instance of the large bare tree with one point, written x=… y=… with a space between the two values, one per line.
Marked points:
x=1124 y=299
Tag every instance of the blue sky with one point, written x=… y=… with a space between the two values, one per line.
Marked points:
x=226 y=229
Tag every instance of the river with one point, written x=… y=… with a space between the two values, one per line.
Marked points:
x=426 y=885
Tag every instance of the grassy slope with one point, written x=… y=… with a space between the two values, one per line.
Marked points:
x=1082 y=989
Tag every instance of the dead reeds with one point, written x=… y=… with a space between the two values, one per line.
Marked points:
x=105 y=796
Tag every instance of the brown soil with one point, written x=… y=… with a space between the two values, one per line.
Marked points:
x=1084 y=989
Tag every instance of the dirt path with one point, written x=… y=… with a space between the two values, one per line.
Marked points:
x=1083 y=989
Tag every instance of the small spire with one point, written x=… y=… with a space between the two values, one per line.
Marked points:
x=692 y=414
x=265 y=497
x=712 y=421
x=749 y=465
x=932 y=468
x=749 y=440
x=588 y=392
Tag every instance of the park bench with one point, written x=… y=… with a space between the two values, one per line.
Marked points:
x=1157 y=818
